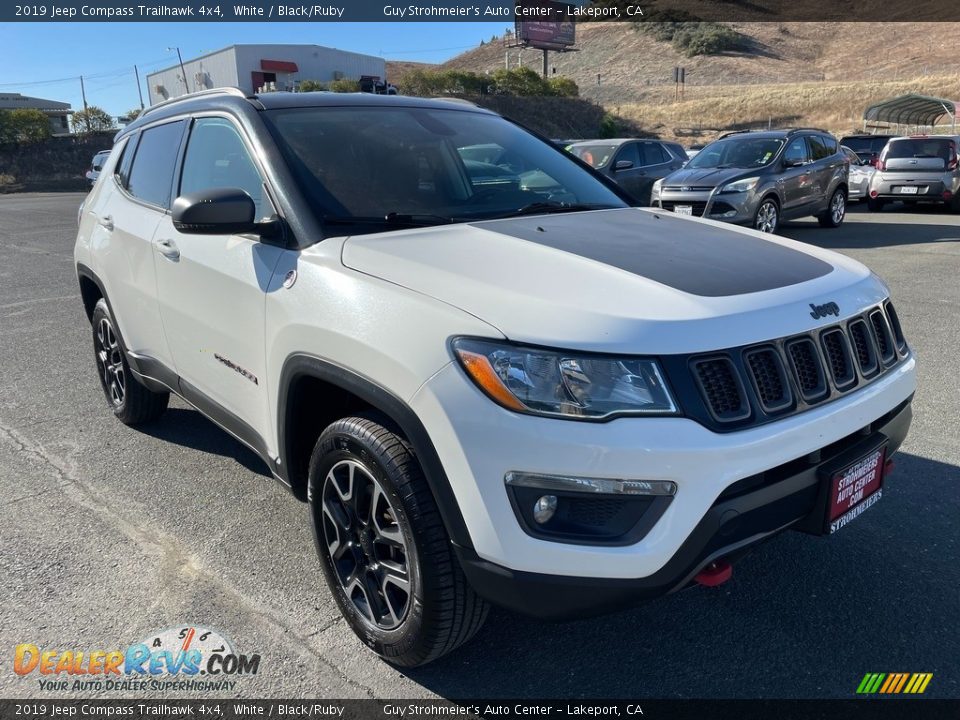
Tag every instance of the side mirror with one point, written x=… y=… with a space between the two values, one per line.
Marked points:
x=98 y=168
x=217 y=211
x=623 y=165
x=789 y=163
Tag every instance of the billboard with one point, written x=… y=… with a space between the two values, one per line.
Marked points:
x=544 y=24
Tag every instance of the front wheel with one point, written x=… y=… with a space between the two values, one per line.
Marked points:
x=385 y=553
x=767 y=217
x=836 y=211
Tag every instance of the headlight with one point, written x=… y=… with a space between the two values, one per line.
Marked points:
x=565 y=384
x=740 y=185
x=655 y=190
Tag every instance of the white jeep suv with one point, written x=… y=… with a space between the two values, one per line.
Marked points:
x=492 y=382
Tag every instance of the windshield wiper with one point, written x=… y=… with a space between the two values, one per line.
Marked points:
x=546 y=207
x=391 y=218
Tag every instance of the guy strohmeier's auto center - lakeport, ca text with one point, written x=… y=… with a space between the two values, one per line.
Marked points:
x=280 y=10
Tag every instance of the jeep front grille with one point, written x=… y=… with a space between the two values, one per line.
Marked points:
x=750 y=385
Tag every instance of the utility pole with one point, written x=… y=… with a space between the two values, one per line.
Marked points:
x=139 y=90
x=186 y=85
x=545 y=53
x=83 y=92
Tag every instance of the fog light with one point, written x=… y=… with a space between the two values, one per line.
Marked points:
x=544 y=508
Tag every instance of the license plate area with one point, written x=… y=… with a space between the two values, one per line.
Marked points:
x=854 y=489
x=908 y=189
x=683 y=209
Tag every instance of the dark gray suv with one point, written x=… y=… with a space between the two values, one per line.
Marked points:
x=634 y=164
x=760 y=179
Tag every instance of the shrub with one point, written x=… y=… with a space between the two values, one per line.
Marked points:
x=311 y=85
x=690 y=35
x=344 y=86
x=23 y=126
x=563 y=87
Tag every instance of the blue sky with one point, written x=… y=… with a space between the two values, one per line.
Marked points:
x=106 y=52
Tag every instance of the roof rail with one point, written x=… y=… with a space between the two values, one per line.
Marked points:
x=733 y=132
x=808 y=129
x=462 y=101
x=235 y=91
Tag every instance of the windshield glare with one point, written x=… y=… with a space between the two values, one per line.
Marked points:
x=434 y=165
x=737 y=152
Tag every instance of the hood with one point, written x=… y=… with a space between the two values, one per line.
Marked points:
x=626 y=280
x=706 y=177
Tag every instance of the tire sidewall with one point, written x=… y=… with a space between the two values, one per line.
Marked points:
x=333 y=448
x=101 y=311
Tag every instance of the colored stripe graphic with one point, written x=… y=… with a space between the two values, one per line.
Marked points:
x=894 y=683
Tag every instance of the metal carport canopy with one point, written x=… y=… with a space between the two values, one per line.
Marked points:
x=912 y=110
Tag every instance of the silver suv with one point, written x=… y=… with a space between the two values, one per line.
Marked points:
x=760 y=179
x=921 y=168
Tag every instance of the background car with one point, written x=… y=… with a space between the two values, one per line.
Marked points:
x=633 y=164
x=920 y=168
x=861 y=171
x=868 y=147
x=761 y=178
x=95 y=166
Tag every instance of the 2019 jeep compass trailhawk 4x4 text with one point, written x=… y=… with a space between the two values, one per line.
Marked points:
x=506 y=387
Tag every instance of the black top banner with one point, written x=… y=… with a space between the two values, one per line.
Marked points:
x=508 y=11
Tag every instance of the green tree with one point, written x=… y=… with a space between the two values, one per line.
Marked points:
x=24 y=126
x=563 y=87
x=93 y=119
x=520 y=81
x=312 y=85
x=130 y=115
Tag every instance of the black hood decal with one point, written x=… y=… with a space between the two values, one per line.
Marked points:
x=688 y=256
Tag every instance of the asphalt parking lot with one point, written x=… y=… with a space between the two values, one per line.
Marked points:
x=109 y=534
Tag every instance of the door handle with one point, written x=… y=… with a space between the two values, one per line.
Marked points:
x=106 y=221
x=168 y=248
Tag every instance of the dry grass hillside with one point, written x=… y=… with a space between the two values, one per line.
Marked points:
x=794 y=73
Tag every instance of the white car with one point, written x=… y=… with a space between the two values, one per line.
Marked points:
x=861 y=172
x=96 y=164
x=540 y=398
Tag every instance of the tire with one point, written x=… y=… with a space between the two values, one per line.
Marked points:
x=767 y=217
x=394 y=536
x=836 y=211
x=875 y=205
x=131 y=401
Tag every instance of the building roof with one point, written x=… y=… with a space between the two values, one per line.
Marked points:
x=911 y=110
x=187 y=61
x=14 y=101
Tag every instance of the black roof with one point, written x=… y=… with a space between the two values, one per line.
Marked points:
x=227 y=98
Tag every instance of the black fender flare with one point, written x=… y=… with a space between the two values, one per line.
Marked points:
x=299 y=365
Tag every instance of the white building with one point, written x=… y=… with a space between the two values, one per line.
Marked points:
x=249 y=67
x=57 y=112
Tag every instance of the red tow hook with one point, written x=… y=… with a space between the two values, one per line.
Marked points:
x=716 y=573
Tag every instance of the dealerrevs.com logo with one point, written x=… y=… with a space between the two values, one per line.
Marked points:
x=183 y=658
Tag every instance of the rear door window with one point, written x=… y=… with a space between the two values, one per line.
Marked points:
x=151 y=177
x=818 y=148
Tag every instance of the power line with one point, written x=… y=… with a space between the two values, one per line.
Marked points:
x=119 y=72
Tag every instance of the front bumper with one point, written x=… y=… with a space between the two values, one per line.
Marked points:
x=738 y=208
x=478 y=443
x=747 y=513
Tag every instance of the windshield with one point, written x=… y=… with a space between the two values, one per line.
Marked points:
x=422 y=166
x=596 y=156
x=737 y=152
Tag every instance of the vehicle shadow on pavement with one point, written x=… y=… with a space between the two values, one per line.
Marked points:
x=191 y=429
x=802 y=616
x=881 y=229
